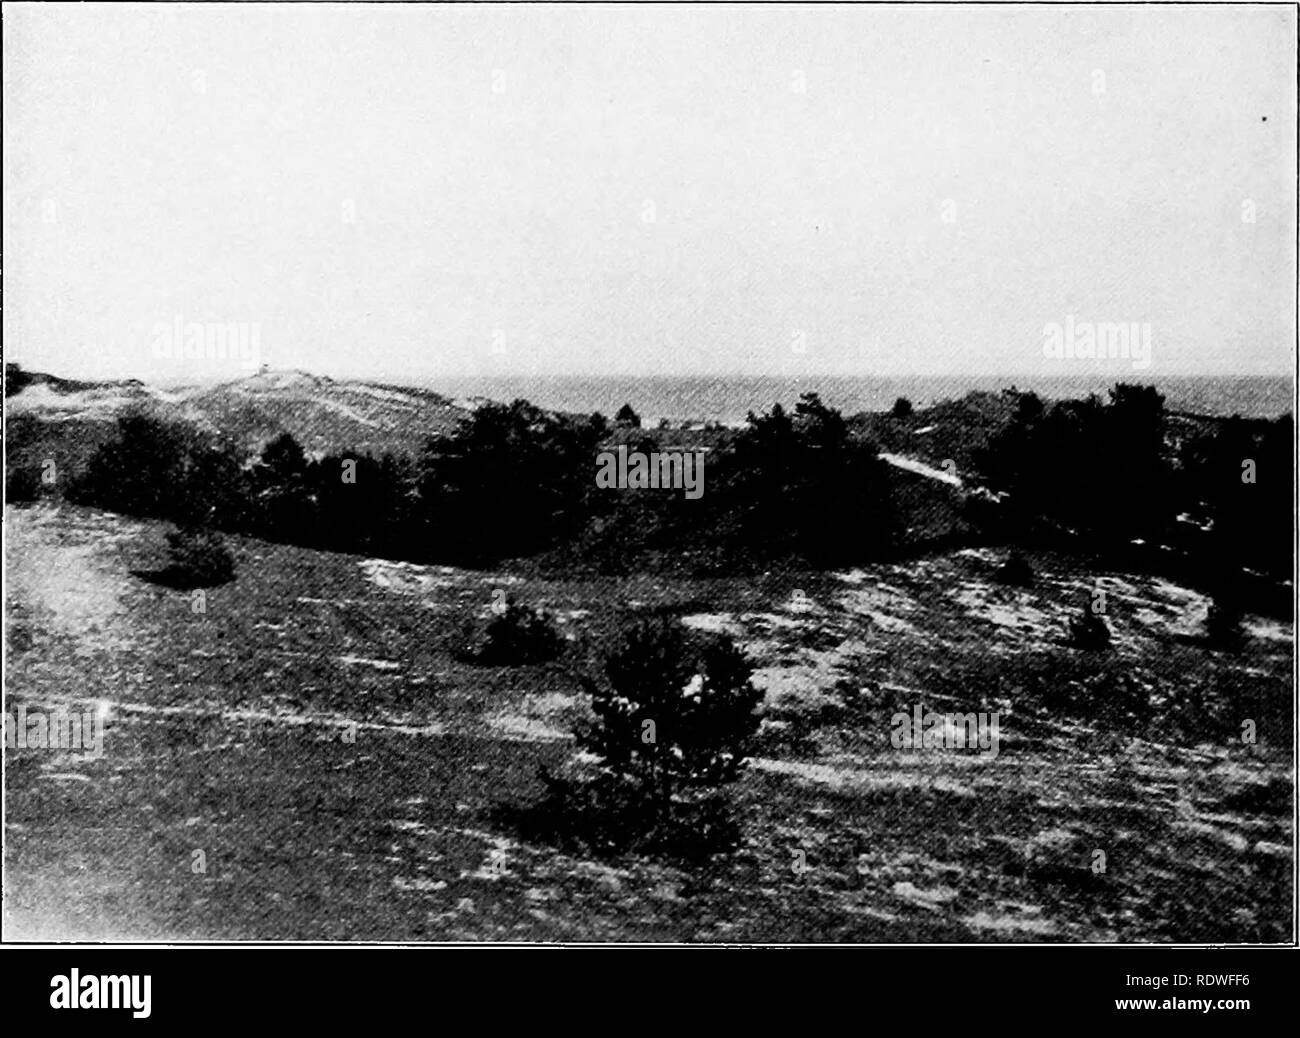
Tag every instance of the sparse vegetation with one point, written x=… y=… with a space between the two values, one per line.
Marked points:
x=447 y=761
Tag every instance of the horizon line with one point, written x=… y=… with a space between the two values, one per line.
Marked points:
x=375 y=376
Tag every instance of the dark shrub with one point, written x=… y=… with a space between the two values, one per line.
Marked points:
x=1223 y=623
x=22 y=483
x=512 y=480
x=675 y=716
x=796 y=485
x=1100 y=500
x=520 y=635
x=902 y=408
x=163 y=470
x=281 y=503
x=1089 y=631
x=1016 y=570
x=16 y=379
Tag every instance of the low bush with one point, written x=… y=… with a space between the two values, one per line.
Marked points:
x=519 y=635
x=1089 y=631
x=1016 y=571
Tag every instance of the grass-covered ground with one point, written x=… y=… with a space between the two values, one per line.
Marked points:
x=346 y=775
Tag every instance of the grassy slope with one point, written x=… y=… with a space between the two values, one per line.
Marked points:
x=228 y=734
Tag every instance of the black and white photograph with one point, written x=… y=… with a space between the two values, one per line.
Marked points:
x=649 y=474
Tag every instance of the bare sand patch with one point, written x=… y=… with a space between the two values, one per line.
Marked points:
x=63 y=582
x=862 y=779
x=714 y=623
x=539 y=718
x=1014 y=612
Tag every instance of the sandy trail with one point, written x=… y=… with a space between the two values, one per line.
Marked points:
x=920 y=468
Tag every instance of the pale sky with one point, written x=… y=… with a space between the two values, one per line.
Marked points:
x=407 y=191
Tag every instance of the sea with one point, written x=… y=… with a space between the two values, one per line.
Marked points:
x=729 y=399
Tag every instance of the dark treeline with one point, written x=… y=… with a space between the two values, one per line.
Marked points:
x=1110 y=472
x=1239 y=480
x=515 y=481
x=790 y=487
x=1100 y=469
x=507 y=483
